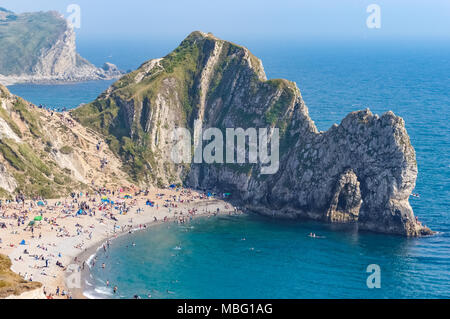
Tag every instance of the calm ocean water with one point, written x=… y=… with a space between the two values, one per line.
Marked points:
x=277 y=259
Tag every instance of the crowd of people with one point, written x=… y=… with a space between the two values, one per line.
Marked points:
x=33 y=231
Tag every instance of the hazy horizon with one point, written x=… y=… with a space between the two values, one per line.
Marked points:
x=285 y=20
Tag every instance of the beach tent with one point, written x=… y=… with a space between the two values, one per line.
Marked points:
x=150 y=203
x=32 y=223
x=38 y=218
x=41 y=203
x=22 y=243
x=173 y=186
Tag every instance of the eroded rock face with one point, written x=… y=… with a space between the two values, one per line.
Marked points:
x=48 y=54
x=7 y=182
x=41 y=154
x=346 y=201
x=361 y=171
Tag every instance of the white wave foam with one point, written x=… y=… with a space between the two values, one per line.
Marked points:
x=103 y=291
x=89 y=260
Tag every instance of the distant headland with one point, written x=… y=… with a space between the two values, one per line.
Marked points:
x=39 y=47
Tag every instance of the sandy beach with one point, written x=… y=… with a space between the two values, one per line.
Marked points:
x=57 y=250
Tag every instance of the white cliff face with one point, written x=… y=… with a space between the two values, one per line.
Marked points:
x=60 y=59
x=59 y=62
x=7 y=182
x=41 y=153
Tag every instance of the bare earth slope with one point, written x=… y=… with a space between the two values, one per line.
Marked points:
x=11 y=283
x=40 y=47
x=49 y=154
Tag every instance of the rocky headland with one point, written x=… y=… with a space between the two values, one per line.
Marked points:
x=361 y=172
x=40 y=48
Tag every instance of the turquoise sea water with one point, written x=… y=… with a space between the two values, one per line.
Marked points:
x=61 y=96
x=411 y=79
x=277 y=259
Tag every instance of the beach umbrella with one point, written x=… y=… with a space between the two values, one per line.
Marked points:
x=41 y=203
x=31 y=223
x=38 y=218
x=22 y=243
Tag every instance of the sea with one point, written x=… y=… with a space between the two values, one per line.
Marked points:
x=254 y=257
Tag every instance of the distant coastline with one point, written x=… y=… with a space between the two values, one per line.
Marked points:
x=52 y=80
x=40 y=48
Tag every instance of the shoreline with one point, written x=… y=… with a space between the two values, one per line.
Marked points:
x=64 y=238
x=91 y=251
x=8 y=80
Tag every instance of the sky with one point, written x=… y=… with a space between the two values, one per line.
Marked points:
x=290 y=20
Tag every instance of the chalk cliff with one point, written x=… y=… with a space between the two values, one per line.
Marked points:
x=361 y=171
x=47 y=154
x=40 y=48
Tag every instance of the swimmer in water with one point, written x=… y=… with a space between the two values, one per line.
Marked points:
x=312 y=235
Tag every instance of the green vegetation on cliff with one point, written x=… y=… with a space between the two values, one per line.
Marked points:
x=126 y=113
x=27 y=156
x=11 y=283
x=24 y=37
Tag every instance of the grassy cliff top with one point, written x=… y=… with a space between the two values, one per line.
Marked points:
x=23 y=37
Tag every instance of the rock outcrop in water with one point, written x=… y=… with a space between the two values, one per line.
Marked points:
x=361 y=171
x=40 y=48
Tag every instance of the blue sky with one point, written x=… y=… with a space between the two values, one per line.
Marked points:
x=290 y=19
